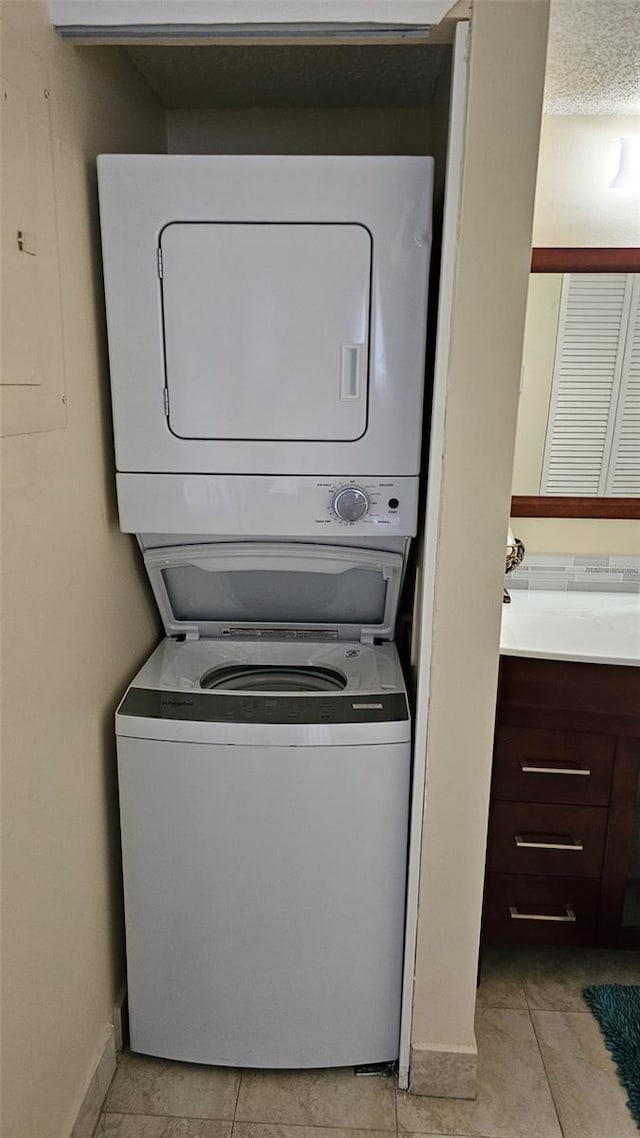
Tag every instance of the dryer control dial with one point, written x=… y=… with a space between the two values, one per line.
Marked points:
x=350 y=503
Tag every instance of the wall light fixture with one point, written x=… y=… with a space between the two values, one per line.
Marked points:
x=627 y=176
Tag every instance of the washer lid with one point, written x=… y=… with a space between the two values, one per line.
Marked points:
x=276 y=591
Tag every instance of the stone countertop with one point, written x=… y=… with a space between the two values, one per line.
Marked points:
x=594 y=628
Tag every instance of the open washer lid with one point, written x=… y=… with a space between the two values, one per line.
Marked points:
x=276 y=591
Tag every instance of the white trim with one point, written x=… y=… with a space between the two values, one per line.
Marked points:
x=453 y=193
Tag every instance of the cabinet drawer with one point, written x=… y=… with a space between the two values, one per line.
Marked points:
x=529 y=837
x=540 y=910
x=532 y=765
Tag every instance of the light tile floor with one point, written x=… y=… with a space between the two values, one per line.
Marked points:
x=543 y=1072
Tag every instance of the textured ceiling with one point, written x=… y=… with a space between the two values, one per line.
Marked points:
x=398 y=75
x=593 y=63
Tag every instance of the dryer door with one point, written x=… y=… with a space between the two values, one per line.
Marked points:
x=266 y=330
x=276 y=590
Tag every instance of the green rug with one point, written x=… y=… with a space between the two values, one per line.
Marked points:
x=617 y=1010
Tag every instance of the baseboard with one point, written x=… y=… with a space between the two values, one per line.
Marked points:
x=121 y=1018
x=444 y=1072
x=103 y=1071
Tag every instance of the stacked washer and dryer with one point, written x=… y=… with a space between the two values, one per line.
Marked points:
x=266 y=321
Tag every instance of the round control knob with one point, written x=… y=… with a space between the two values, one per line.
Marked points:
x=351 y=503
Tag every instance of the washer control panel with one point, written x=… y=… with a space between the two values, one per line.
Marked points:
x=222 y=707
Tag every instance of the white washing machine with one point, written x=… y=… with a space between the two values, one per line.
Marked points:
x=264 y=762
x=266 y=317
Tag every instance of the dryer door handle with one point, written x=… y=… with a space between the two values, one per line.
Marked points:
x=351 y=366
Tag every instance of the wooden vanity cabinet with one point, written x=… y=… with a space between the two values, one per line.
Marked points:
x=563 y=801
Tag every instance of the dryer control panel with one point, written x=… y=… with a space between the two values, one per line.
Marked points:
x=384 y=503
x=265 y=505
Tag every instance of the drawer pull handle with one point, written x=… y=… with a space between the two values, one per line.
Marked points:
x=564 y=918
x=531 y=768
x=548 y=842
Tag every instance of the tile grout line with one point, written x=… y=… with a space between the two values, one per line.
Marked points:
x=235 y=1105
x=299 y=1125
x=527 y=1000
x=540 y=1051
x=163 y=1114
x=546 y=1073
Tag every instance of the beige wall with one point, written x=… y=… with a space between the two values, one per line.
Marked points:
x=298 y=131
x=76 y=622
x=578 y=159
x=578 y=535
x=574 y=206
x=508 y=45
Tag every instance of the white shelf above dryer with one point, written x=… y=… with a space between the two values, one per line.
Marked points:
x=127 y=21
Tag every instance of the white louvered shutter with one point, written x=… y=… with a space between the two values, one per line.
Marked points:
x=588 y=366
x=624 y=467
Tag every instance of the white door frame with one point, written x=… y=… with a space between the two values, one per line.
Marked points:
x=426 y=581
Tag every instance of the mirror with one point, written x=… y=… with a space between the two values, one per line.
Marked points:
x=578 y=438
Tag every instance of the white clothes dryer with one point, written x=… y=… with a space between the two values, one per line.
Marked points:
x=264 y=773
x=266 y=316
